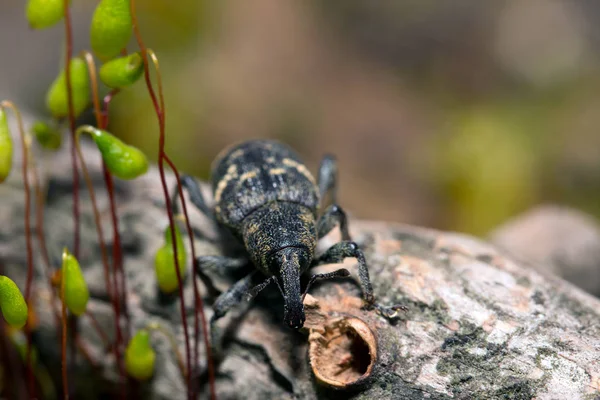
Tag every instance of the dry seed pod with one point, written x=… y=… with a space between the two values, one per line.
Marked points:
x=12 y=303
x=45 y=13
x=57 y=99
x=122 y=71
x=76 y=294
x=139 y=356
x=111 y=28
x=6 y=147
x=164 y=262
x=345 y=354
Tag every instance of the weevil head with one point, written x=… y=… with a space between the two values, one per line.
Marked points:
x=290 y=262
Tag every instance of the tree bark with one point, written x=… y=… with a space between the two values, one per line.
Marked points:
x=479 y=325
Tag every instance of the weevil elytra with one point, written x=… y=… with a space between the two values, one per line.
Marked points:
x=267 y=198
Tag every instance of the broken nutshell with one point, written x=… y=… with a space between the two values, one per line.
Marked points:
x=342 y=346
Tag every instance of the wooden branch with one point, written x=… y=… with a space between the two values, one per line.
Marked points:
x=478 y=325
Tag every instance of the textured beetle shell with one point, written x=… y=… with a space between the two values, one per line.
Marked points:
x=276 y=226
x=252 y=174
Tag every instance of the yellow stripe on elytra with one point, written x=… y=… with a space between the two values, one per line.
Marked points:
x=229 y=176
x=288 y=162
x=277 y=171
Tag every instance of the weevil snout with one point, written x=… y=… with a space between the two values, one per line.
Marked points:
x=294 y=316
x=291 y=262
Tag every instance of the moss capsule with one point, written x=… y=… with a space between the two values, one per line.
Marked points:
x=139 y=356
x=12 y=303
x=46 y=136
x=44 y=13
x=56 y=98
x=164 y=262
x=111 y=28
x=122 y=71
x=6 y=147
x=76 y=294
x=122 y=160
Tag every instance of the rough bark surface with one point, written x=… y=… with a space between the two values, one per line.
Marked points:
x=478 y=325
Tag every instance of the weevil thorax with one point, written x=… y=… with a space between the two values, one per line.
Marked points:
x=277 y=226
x=280 y=239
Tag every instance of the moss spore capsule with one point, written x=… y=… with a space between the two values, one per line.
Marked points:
x=76 y=294
x=111 y=28
x=12 y=303
x=139 y=356
x=45 y=13
x=57 y=98
x=164 y=262
x=122 y=71
x=122 y=160
x=6 y=147
x=47 y=137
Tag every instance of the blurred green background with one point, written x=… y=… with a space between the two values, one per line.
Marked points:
x=450 y=114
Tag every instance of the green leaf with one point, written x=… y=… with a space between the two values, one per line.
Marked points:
x=47 y=136
x=111 y=28
x=45 y=13
x=6 y=147
x=164 y=262
x=122 y=71
x=122 y=160
x=139 y=356
x=12 y=303
x=56 y=98
x=76 y=294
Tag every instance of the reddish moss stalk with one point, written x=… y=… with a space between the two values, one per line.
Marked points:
x=102 y=121
x=113 y=292
x=117 y=257
x=39 y=206
x=29 y=279
x=159 y=109
x=117 y=254
x=199 y=303
x=99 y=329
x=68 y=55
x=65 y=379
x=71 y=117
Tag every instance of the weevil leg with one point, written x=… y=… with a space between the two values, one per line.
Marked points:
x=337 y=253
x=328 y=177
x=340 y=273
x=225 y=302
x=193 y=189
x=332 y=216
x=219 y=265
x=252 y=293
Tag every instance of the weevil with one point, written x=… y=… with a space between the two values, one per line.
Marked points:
x=268 y=200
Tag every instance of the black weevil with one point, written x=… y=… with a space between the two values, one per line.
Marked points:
x=267 y=198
